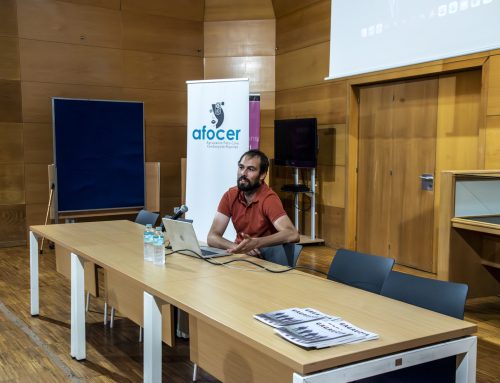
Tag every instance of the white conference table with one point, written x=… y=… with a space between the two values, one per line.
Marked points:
x=226 y=340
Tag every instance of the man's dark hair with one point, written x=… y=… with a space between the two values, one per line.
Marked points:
x=264 y=161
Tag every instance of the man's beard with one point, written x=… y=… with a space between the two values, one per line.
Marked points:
x=250 y=186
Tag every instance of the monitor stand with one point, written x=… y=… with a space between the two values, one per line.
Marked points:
x=296 y=189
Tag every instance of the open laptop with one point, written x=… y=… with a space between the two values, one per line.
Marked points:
x=182 y=236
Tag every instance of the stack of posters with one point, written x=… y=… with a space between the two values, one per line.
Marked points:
x=312 y=329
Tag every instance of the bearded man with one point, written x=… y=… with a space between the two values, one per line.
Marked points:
x=256 y=210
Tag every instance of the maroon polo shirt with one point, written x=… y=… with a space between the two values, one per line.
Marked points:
x=255 y=219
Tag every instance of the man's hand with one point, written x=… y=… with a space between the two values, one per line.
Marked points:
x=248 y=246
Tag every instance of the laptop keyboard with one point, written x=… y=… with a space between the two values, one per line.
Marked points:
x=208 y=252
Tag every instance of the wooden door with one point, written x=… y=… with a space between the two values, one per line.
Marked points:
x=397 y=144
x=374 y=163
x=414 y=153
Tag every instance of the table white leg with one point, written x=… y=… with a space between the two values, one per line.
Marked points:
x=77 y=308
x=35 y=306
x=195 y=372
x=466 y=370
x=152 y=338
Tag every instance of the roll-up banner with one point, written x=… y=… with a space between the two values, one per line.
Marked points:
x=217 y=136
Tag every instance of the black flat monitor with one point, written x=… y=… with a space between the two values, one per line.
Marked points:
x=296 y=142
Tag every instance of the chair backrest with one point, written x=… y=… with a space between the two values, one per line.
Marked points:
x=144 y=217
x=364 y=271
x=292 y=251
x=285 y=255
x=443 y=297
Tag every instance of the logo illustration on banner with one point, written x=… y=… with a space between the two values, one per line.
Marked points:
x=214 y=133
x=218 y=113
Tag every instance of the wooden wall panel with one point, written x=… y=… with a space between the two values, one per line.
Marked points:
x=329 y=225
x=9 y=59
x=437 y=67
x=161 y=107
x=37 y=97
x=327 y=102
x=267 y=140
x=302 y=38
x=11 y=184
x=37 y=140
x=160 y=71
x=457 y=136
x=8 y=15
x=162 y=34
x=170 y=186
x=183 y=180
x=10 y=101
x=458 y=121
x=240 y=43
x=493 y=104
x=267 y=117
x=167 y=204
x=170 y=179
x=267 y=112
x=70 y=64
x=240 y=38
x=332 y=226
x=37 y=181
x=267 y=100
x=331 y=185
x=332 y=145
x=152 y=175
x=12 y=227
x=219 y=10
x=95 y=49
x=492 y=142
x=69 y=23
x=284 y=7
x=12 y=210
x=111 y=4
x=259 y=69
x=302 y=67
x=185 y=9
x=165 y=143
x=35 y=214
x=303 y=28
x=11 y=142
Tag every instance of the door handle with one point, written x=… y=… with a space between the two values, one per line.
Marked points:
x=427 y=181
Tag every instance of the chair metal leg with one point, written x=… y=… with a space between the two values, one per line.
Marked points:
x=140 y=334
x=87 y=302
x=195 y=372
x=112 y=319
x=105 y=313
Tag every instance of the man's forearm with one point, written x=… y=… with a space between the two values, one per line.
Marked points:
x=219 y=242
x=284 y=236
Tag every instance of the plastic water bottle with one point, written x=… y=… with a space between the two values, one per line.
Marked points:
x=158 y=229
x=148 y=243
x=159 y=248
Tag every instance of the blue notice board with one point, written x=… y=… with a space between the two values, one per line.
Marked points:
x=98 y=154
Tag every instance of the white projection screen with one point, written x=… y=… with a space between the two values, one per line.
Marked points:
x=371 y=35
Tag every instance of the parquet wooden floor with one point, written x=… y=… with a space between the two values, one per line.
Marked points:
x=36 y=349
